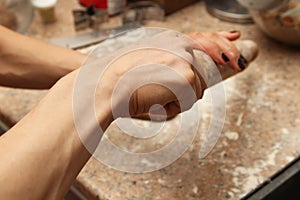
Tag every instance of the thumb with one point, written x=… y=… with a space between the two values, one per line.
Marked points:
x=160 y=113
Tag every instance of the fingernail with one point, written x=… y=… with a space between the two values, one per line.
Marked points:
x=225 y=58
x=234 y=31
x=242 y=62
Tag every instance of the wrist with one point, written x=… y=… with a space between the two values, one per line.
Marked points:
x=102 y=99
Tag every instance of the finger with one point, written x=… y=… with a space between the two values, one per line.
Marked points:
x=232 y=35
x=170 y=110
x=248 y=49
x=218 y=47
x=199 y=84
x=213 y=49
x=156 y=118
x=226 y=52
x=230 y=53
x=167 y=112
x=140 y=103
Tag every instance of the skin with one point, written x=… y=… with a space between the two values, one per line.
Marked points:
x=30 y=63
x=43 y=153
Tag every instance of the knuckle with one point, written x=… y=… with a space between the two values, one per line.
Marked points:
x=233 y=55
x=196 y=35
x=231 y=51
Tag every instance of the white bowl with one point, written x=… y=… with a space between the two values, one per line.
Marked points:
x=260 y=4
x=279 y=19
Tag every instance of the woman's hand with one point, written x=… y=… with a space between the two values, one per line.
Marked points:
x=219 y=46
x=143 y=90
x=56 y=153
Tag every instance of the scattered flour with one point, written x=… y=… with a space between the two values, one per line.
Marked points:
x=232 y=135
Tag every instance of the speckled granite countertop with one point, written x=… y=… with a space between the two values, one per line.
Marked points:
x=260 y=134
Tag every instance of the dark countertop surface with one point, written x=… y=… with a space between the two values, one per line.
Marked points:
x=259 y=137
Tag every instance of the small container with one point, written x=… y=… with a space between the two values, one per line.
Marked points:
x=46 y=10
x=228 y=10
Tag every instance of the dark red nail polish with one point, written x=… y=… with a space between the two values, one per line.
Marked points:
x=242 y=62
x=225 y=58
x=234 y=31
x=244 y=59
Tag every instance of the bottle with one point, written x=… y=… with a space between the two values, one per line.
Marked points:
x=99 y=4
x=113 y=7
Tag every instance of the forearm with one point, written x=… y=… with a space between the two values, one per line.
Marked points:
x=43 y=153
x=29 y=63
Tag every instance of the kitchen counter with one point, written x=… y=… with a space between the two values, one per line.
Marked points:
x=260 y=135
